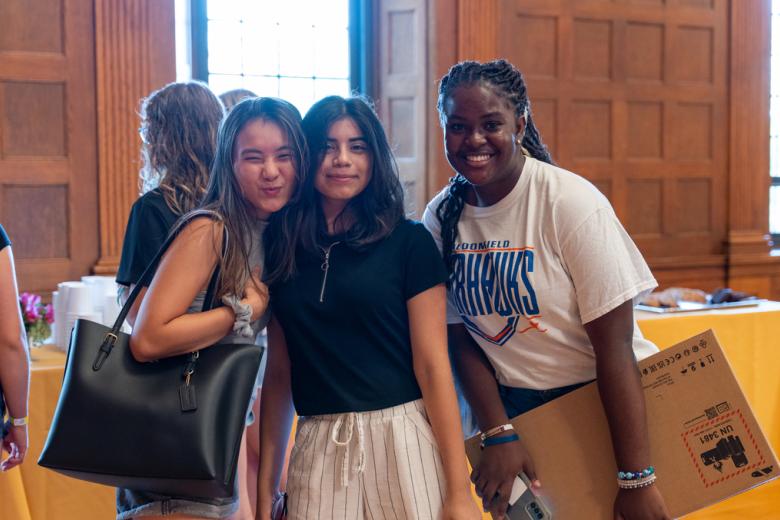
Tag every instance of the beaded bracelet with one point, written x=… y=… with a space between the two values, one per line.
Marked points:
x=636 y=479
x=636 y=483
x=492 y=441
x=501 y=428
x=634 y=475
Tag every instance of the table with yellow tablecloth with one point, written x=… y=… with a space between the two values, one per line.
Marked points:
x=750 y=337
x=30 y=492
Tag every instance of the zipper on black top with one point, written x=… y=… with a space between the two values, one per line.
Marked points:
x=325 y=266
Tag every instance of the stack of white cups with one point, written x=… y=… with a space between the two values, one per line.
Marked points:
x=103 y=287
x=72 y=298
x=94 y=299
x=61 y=333
x=79 y=306
x=111 y=307
x=56 y=304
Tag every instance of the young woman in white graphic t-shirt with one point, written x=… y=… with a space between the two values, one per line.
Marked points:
x=542 y=283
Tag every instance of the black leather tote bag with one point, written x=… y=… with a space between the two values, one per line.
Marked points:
x=172 y=426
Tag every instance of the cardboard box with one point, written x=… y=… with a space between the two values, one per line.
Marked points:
x=705 y=442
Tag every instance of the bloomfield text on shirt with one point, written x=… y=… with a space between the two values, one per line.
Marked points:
x=490 y=244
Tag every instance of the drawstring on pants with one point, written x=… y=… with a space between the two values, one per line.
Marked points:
x=353 y=421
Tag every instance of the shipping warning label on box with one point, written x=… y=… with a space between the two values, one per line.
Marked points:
x=725 y=447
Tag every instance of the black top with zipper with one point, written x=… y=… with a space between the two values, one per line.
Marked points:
x=346 y=324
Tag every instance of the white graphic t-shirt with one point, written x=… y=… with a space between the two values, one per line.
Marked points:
x=531 y=269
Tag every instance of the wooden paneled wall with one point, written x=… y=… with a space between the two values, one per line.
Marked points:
x=402 y=90
x=749 y=266
x=72 y=74
x=662 y=104
x=48 y=154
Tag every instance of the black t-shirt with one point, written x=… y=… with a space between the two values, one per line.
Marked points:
x=351 y=352
x=147 y=228
x=4 y=240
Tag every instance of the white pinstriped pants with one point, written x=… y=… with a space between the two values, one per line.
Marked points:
x=374 y=465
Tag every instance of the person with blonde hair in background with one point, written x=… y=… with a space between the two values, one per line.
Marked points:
x=179 y=124
x=14 y=364
x=233 y=97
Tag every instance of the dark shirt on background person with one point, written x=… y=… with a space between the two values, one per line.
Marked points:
x=147 y=228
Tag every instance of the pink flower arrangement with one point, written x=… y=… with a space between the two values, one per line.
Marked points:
x=37 y=317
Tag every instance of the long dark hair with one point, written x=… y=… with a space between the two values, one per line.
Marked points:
x=374 y=213
x=507 y=82
x=224 y=200
x=179 y=125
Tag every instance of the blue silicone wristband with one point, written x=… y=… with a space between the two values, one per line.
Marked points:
x=492 y=441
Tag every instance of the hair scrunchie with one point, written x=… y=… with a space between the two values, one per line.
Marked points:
x=243 y=312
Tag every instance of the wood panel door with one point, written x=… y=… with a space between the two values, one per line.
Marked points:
x=48 y=171
x=402 y=99
x=633 y=95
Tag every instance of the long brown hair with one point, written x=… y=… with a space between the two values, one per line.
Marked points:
x=224 y=198
x=179 y=126
x=376 y=210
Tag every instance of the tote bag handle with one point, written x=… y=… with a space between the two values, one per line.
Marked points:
x=208 y=301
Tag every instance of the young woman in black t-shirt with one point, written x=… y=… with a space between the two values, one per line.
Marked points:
x=358 y=341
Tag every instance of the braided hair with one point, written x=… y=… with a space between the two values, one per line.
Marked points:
x=507 y=82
